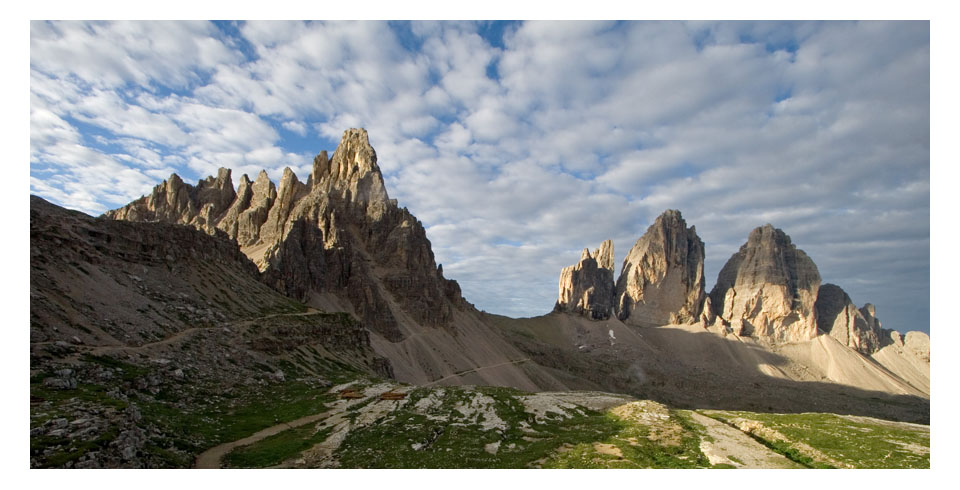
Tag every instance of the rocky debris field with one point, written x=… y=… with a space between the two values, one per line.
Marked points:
x=162 y=403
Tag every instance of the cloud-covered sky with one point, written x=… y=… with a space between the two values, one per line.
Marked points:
x=519 y=144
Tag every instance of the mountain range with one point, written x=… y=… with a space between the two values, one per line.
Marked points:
x=215 y=299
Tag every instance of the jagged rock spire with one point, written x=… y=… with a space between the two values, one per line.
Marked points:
x=337 y=233
x=661 y=280
x=352 y=172
x=587 y=287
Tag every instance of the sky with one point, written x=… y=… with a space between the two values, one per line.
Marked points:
x=518 y=144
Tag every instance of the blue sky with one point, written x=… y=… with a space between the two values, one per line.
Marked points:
x=520 y=143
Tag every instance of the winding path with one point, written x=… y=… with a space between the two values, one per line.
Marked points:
x=104 y=349
x=212 y=458
x=461 y=373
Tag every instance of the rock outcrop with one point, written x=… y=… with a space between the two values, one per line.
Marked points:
x=768 y=289
x=838 y=317
x=918 y=344
x=352 y=173
x=869 y=314
x=661 y=280
x=337 y=234
x=173 y=201
x=587 y=287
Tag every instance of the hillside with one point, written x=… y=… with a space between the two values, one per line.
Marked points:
x=259 y=325
x=151 y=341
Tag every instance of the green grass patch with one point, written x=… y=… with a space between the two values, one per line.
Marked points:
x=70 y=450
x=861 y=443
x=230 y=419
x=128 y=371
x=86 y=392
x=680 y=448
x=277 y=448
x=441 y=436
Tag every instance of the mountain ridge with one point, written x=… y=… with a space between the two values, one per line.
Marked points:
x=339 y=242
x=198 y=315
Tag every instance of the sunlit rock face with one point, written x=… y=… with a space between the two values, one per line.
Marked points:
x=768 y=289
x=587 y=287
x=661 y=280
x=338 y=233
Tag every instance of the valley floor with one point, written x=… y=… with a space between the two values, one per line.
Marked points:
x=485 y=427
x=141 y=411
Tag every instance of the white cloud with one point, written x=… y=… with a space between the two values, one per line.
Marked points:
x=518 y=157
x=111 y=54
x=295 y=127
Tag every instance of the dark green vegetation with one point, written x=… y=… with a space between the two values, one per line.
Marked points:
x=277 y=448
x=442 y=427
x=170 y=424
x=224 y=419
x=483 y=427
x=838 y=441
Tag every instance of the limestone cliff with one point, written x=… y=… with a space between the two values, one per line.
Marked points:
x=768 y=289
x=336 y=236
x=587 y=287
x=173 y=201
x=838 y=317
x=661 y=280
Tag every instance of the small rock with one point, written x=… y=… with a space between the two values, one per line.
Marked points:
x=133 y=412
x=60 y=383
x=128 y=453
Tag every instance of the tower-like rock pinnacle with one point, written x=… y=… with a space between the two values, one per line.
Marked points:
x=587 y=287
x=661 y=280
x=768 y=289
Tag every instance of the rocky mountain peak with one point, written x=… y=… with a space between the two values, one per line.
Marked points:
x=661 y=280
x=604 y=255
x=352 y=172
x=768 y=288
x=263 y=186
x=586 y=287
x=337 y=237
x=320 y=163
